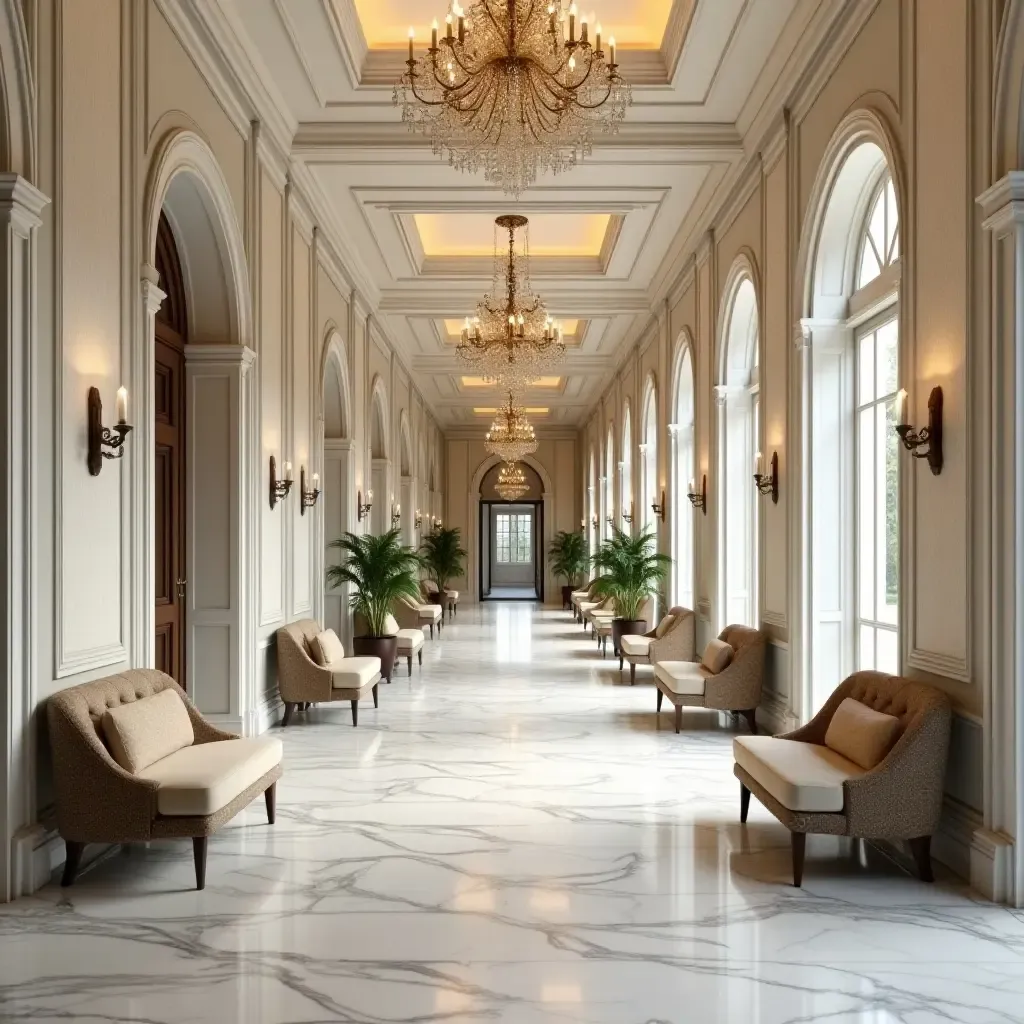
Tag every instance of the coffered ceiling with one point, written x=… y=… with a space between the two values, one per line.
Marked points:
x=607 y=238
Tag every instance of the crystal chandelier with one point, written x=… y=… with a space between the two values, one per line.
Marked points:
x=511 y=436
x=511 y=340
x=513 y=86
x=511 y=482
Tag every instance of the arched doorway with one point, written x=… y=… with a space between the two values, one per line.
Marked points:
x=511 y=555
x=738 y=398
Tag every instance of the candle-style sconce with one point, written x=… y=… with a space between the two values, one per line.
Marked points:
x=628 y=516
x=659 y=508
x=594 y=523
x=583 y=526
x=363 y=508
x=106 y=442
x=930 y=436
x=418 y=521
x=279 y=489
x=699 y=499
x=396 y=516
x=309 y=498
x=609 y=520
x=767 y=484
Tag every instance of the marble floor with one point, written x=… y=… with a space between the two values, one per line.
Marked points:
x=513 y=837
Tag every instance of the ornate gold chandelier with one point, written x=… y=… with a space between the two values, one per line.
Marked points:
x=512 y=87
x=511 y=340
x=511 y=436
x=512 y=483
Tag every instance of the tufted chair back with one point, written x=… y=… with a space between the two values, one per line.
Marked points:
x=299 y=677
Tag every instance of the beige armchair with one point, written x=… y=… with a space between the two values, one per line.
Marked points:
x=449 y=601
x=583 y=594
x=812 y=788
x=737 y=687
x=184 y=777
x=592 y=609
x=302 y=682
x=603 y=619
x=414 y=615
x=673 y=639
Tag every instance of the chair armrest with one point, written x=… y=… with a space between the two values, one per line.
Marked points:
x=97 y=800
x=205 y=732
x=676 y=645
x=738 y=686
x=299 y=677
x=406 y=617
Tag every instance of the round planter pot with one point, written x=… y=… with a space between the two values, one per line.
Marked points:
x=626 y=627
x=567 y=596
x=383 y=647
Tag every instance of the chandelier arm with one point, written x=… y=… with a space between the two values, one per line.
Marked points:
x=423 y=99
x=540 y=103
x=599 y=104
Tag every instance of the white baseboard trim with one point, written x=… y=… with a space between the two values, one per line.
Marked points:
x=38 y=852
x=982 y=857
x=267 y=715
x=774 y=714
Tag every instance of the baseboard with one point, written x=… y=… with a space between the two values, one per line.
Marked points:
x=774 y=714
x=267 y=715
x=977 y=854
x=38 y=852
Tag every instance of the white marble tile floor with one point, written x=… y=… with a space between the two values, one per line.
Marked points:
x=513 y=837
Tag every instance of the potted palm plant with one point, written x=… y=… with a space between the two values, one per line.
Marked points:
x=630 y=571
x=569 y=560
x=379 y=570
x=443 y=555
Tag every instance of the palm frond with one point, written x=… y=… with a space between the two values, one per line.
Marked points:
x=630 y=570
x=442 y=555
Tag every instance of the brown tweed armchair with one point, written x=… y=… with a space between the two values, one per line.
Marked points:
x=431 y=595
x=736 y=688
x=301 y=681
x=677 y=643
x=98 y=801
x=899 y=799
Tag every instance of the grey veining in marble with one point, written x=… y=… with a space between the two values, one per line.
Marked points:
x=513 y=837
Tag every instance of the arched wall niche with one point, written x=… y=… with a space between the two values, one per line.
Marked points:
x=17 y=94
x=682 y=467
x=1008 y=120
x=380 y=467
x=626 y=490
x=406 y=492
x=739 y=320
x=650 y=491
x=488 y=486
x=185 y=183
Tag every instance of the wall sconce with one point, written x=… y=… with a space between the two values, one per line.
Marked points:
x=628 y=516
x=593 y=523
x=418 y=521
x=101 y=437
x=363 y=509
x=396 y=516
x=699 y=499
x=659 y=509
x=583 y=526
x=767 y=484
x=930 y=435
x=279 y=489
x=309 y=498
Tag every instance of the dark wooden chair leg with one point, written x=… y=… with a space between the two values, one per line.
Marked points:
x=921 y=848
x=661 y=697
x=620 y=662
x=799 y=841
x=199 y=856
x=408 y=661
x=419 y=655
x=431 y=631
x=751 y=716
x=632 y=675
x=679 y=717
x=73 y=861
x=270 y=795
x=745 y=803
x=355 y=712
x=289 y=707
x=375 y=704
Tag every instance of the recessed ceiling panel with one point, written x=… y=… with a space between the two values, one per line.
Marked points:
x=551 y=234
x=453 y=330
x=633 y=23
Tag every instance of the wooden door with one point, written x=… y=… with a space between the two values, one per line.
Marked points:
x=169 y=464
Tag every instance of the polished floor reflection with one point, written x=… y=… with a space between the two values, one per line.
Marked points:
x=514 y=836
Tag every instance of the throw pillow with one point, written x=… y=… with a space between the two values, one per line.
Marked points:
x=142 y=732
x=326 y=647
x=861 y=734
x=391 y=626
x=717 y=656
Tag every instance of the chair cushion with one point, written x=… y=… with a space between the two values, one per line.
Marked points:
x=717 y=656
x=199 y=780
x=587 y=606
x=861 y=734
x=144 y=731
x=431 y=612
x=353 y=673
x=801 y=776
x=686 y=678
x=635 y=646
x=662 y=628
x=452 y=595
x=325 y=647
x=410 y=640
x=391 y=626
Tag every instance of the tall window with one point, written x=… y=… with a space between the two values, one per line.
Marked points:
x=626 y=467
x=592 y=506
x=609 y=484
x=683 y=474
x=649 y=468
x=515 y=539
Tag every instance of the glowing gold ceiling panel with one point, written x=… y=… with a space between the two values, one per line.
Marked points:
x=541 y=382
x=491 y=410
x=551 y=234
x=639 y=24
x=453 y=329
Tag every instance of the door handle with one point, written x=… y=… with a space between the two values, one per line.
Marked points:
x=181 y=587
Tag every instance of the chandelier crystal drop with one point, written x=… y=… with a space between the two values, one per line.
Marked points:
x=511 y=435
x=511 y=340
x=512 y=483
x=513 y=87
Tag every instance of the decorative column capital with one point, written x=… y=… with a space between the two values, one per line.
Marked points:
x=802 y=335
x=1003 y=203
x=721 y=393
x=21 y=203
x=152 y=294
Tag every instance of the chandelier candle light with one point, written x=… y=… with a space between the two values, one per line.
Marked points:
x=512 y=483
x=512 y=87
x=511 y=436
x=511 y=340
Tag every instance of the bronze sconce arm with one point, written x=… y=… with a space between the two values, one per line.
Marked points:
x=309 y=498
x=768 y=484
x=363 y=508
x=699 y=499
x=279 y=489
x=928 y=438
x=660 y=509
x=105 y=442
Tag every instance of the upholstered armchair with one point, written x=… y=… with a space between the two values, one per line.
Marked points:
x=170 y=775
x=449 y=600
x=301 y=681
x=673 y=639
x=734 y=685
x=893 y=791
x=583 y=594
x=414 y=615
x=592 y=609
x=603 y=619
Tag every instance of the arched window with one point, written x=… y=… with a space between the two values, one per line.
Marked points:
x=649 y=451
x=854 y=545
x=626 y=470
x=609 y=481
x=592 y=513
x=684 y=480
x=739 y=430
